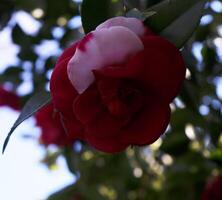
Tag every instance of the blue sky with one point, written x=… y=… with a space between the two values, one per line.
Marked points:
x=22 y=176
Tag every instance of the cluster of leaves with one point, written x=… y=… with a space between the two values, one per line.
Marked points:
x=177 y=165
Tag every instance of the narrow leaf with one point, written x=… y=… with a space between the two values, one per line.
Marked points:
x=182 y=29
x=168 y=11
x=31 y=107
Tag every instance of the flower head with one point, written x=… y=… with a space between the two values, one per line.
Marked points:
x=113 y=87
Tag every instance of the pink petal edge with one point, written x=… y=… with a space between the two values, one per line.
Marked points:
x=103 y=47
x=133 y=24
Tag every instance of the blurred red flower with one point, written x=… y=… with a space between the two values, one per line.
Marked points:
x=213 y=189
x=9 y=98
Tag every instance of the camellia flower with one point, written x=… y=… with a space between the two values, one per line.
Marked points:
x=213 y=190
x=8 y=98
x=113 y=88
x=53 y=131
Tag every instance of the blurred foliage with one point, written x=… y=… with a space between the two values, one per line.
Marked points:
x=177 y=165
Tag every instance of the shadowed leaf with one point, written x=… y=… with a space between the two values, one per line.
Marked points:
x=181 y=29
x=31 y=107
x=175 y=20
x=94 y=12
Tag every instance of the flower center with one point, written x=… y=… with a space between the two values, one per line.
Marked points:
x=122 y=97
x=127 y=101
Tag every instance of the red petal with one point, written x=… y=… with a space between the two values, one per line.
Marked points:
x=165 y=69
x=87 y=106
x=148 y=125
x=107 y=88
x=159 y=67
x=131 y=69
x=72 y=126
x=105 y=125
x=52 y=129
x=63 y=93
x=107 y=144
x=98 y=122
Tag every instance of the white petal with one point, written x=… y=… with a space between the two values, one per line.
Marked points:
x=133 y=24
x=104 y=47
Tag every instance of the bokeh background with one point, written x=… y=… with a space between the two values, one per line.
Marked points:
x=177 y=166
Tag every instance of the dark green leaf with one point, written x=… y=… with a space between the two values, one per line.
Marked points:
x=209 y=56
x=28 y=5
x=20 y=37
x=66 y=193
x=31 y=107
x=182 y=28
x=202 y=32
x=27 y=54
x=176 y=20
x=189 y=95
x=12 y=74
x=167 y=12
x=131 y=4
x=152 y=2
x=56 y=9
x=6 y=10
x=70 y=159
x=94 y=12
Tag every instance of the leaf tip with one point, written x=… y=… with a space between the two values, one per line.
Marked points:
x=7 y=139
x=5 y=144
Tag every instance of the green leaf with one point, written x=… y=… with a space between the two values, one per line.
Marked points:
x=182 y=29
x=94 y=12
x=140 y=15
x=131 y=4
x=175 y=143
x=176 y=20
x=70 y=159
x=31 y=107
x=20 y=37
x=168 y=11
x=6 y=11
x=12 y=74
x=55 y=9
x=66 y=193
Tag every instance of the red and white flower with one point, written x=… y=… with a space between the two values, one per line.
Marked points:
x=113 y=88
